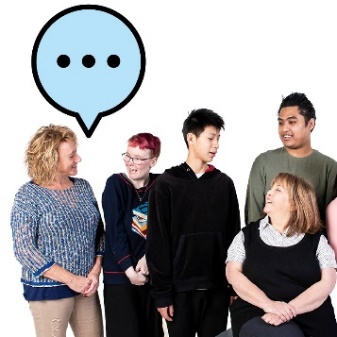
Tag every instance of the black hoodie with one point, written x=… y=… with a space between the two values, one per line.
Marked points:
x=191 y=223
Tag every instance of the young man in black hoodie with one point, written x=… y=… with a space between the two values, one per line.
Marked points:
x=193 y=217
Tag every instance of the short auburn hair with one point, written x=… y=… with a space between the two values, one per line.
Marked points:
x=146 y=141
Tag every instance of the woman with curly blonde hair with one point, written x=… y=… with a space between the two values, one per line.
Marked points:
x=58 y=238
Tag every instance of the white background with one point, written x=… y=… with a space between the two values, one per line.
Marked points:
x=236 y=57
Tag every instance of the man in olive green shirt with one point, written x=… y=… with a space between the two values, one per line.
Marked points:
x=296 y=120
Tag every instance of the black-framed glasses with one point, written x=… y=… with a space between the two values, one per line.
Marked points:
x=126 y=157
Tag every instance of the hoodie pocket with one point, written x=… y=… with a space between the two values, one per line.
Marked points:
x=200 y=257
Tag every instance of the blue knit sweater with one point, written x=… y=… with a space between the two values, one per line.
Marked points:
x=56 y=226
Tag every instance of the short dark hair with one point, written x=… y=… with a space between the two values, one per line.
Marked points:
x=198 y=119
x=300 y=100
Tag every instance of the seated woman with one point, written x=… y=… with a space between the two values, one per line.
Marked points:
x=282 y=267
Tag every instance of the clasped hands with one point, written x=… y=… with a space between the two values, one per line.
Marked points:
x=139 y=275
x=278 y=313
x=87 y=286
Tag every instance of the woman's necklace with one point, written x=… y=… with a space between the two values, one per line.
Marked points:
x=146 y=189
x=139 y=197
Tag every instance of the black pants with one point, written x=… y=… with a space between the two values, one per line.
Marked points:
x=130 y=312
x=201 y=312
x=257 y=327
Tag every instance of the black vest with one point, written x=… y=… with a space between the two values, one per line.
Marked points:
x=283 y=273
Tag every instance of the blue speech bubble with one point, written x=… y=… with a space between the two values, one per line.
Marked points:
x=88 y=61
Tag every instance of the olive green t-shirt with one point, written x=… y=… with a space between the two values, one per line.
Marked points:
x=317 y=168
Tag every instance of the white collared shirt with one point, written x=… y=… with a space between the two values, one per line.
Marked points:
x=270 y=236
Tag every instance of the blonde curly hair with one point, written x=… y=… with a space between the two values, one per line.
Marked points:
x=41 y=154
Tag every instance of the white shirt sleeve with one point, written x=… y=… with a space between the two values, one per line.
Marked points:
x=325 y=254
x=236 y=251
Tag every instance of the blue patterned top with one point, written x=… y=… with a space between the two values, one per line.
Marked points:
x=55 y=226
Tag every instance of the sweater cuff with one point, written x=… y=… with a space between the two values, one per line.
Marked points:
x=46 y=267
x=125 y=262
x=163 y=302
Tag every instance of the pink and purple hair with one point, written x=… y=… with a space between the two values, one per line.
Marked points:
x=146 y=141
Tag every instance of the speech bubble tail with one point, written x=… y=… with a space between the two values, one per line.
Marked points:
x=88 y=128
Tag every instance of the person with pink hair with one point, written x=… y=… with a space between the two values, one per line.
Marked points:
x=129 y=307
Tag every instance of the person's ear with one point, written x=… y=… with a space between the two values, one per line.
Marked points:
x=153 y=162
x=312 y=124
x=190 y=137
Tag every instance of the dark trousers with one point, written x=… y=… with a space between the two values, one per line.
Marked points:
x=130 y=312
x=201 y=312
x=257 y=327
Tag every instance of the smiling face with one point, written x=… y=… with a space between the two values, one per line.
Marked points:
x=277 y=202
x=139 y=173
x=293 y=132
x=205 y=146
x=67 y=158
